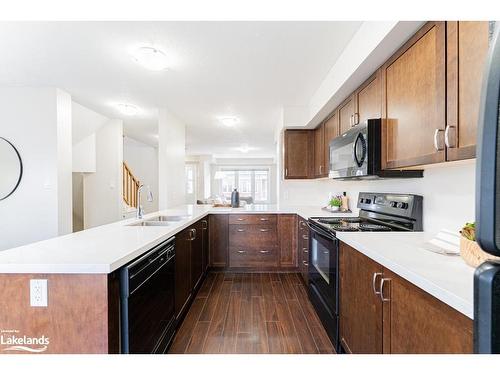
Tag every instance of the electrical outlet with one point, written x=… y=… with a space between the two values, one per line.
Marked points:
x=38 y=293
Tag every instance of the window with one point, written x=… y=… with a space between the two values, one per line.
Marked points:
x=251 y=183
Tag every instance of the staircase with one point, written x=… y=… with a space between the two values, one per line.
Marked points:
x=130 y=186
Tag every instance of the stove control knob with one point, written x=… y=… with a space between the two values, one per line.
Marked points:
x=402 y=205
x=394 y=204
x=362 y=200
x=368 y=201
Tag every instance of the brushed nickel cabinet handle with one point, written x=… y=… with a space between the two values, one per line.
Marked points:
x=204 y=224
x=374 y=281
x=241 y=230
x=241 y=251
x=305 y=236
x=264 y=219
x=305 y=250
x=303 y=225
x=286 y=172
x=240 y=219
x=450 y=143
x=382 y=297
x=356 y=118
x=438 y=141
x=264 y=251
x=264 y=230
x=305 y=263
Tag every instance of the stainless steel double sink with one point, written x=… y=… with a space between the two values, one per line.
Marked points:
x=160 y=221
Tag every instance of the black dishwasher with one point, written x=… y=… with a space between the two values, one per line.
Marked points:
x=147 y=301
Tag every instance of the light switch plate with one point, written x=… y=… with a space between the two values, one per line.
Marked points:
x=38 y=293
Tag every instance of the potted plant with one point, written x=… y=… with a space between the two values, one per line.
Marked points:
x=470 y=251
x=335 y=203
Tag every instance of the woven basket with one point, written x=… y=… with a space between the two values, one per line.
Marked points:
x=472 y=254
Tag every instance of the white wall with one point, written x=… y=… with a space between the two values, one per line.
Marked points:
x=85 y=121
x=171 y=160
x=38 y=123
x=84 y=155
x=448 y=191
x=103 y=189
x=143 y=161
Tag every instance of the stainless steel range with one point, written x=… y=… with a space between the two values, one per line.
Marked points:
x=379 y=212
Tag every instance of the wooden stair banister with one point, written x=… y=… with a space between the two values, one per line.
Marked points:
x=130 y=186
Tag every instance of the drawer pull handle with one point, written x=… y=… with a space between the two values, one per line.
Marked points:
x=305 y=251
x=241 y=251
x=264 y=230
x=305 y=263
x=264 y=219
x=241 y=230
x=305 y=236
x=240 y=219
x=264 y=251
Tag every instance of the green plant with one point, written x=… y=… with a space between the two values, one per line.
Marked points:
x=335 y=202
x=469 y=231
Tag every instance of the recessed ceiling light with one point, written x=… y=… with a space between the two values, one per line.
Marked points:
x=127 y=109
x=229 y=120
x=151 y=58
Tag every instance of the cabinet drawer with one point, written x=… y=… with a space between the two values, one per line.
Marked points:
x=252 y=219
x=253 y=257
x=253 y=236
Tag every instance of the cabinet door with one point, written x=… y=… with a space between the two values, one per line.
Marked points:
x=287 y=235
x=346 y=115
x=467 y=47
x=197 y=255
x=182 y=270
x=360 y=307
x=205 y=243
x=414 y=100
x=433 y=326
x=319 y=151
x=369 y=100
x=331 y=131
x=299 y=147
x=218 y=226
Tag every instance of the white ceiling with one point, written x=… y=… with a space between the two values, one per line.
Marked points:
x=247 y=69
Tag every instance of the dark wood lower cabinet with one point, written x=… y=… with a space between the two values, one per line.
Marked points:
x=360 y=307
x=287 y=238
x=408 y=320
x=303 y=248
x=182 y=271
x=218 y=234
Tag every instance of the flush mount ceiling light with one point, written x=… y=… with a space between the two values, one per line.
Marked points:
x=229 y=121
x=150 y=58
x=245 y=149
x=127 y=109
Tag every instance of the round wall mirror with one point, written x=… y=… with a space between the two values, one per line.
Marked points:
x=11 y=168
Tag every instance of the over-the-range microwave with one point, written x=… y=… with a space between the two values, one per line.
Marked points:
x=356 y=154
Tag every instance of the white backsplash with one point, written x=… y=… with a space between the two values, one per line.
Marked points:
x=448 y=190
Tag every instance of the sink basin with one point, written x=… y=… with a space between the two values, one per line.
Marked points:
x=168 y=218
x=151 y=224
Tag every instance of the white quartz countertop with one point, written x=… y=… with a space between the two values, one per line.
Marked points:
x=445 y=277
x=108 y=247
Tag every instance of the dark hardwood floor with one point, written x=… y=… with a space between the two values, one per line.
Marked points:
x=251 y=313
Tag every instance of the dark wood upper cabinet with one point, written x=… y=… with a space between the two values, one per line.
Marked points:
x=331 y=131
x=467 y=47
x=182 y=271
x=360 y=307
x=346 y=114
x=369 y=99
x=299 y=154
x=433 y=326
x=414 y=100
x=218 y=226
x=287 y=237
x=319 y=151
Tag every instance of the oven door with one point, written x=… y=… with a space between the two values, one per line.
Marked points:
x=323 y=266
x=349 y=153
